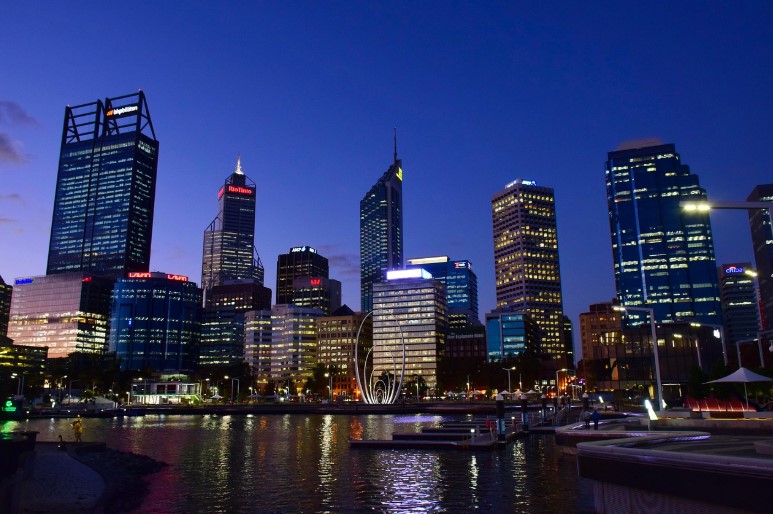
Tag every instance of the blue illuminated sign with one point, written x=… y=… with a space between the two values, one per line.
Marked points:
x=22 y=281
x=734 y=270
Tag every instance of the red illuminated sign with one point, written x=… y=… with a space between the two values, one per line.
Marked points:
x=86 y=279
x=147 y=274
x=240 y=190
x=315 y=281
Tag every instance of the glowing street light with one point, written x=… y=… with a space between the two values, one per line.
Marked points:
x=509 y=387
x=651 y=313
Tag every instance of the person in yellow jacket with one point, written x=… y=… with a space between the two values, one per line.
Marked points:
x=77 y=428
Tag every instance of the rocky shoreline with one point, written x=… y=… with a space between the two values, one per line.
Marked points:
x=123 y=472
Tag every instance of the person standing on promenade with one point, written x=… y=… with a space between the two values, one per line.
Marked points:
x=596 y=416
x=77 y=428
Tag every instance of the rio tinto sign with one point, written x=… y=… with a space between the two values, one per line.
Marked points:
x=235 y=190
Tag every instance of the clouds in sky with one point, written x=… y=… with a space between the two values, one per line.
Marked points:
x=12 y=115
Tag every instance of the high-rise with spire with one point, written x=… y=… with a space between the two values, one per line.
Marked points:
x=231 y=273
x=381 y=230
x=229 y=241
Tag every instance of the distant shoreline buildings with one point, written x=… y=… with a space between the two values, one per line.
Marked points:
x=99 y=296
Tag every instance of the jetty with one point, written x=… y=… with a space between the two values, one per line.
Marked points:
x=475 y=434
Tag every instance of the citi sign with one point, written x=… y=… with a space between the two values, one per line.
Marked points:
x=734 y=270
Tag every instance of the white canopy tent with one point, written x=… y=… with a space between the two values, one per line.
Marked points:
x=742 y=376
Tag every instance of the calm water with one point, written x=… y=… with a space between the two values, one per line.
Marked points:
x=303 y=463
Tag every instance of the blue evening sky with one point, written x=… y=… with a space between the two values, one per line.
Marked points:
x=308 y=92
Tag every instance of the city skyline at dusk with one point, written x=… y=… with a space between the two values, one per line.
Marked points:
x=308 y=94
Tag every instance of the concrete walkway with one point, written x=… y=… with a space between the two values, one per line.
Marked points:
x=56 y=482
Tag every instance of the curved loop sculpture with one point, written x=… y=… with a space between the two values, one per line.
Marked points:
x=378 y=391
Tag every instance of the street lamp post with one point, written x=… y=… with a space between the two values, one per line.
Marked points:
x=717 y=328
x=509 y=386
x=330 y=386
x=654 y=336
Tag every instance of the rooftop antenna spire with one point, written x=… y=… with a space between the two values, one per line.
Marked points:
x=395 y=144
x=239 y=165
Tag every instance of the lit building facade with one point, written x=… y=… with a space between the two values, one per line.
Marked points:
x=300 y=261
x=257 y=344
x=409 y=306
x=317 y=292
x=629 y=367
x=762 y=239
x=223 y=320
x=154 y=323
x=528 y=278
x=509 y=334
x=601 y=325
x=105 y=189
x=381 y=231
x=663 y=257
x=229 y=241
x=6 y=292
x=65 y=312
x=468 y=344
x=740 y=305
x=336 y=340
x=461 y=285
x=293 y=344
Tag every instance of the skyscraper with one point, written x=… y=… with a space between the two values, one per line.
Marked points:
x=762 y=239
x=528 y=277
x=229 y=241
x=409 y=306
x=740 y=307
x=155 y=321
x=461 y=285
x=381 y=230
x=105 y=189
x=223 y=320
x=663 y=258
x=300 y=261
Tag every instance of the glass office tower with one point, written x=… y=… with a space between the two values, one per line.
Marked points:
x=229 y=241
x=762 y=239
x=66 y=312
x=528 y=277
x=105 y=188
x=381 y=231
x=300 y=261
x=155 y=321
x=663 y=257
x=461 y=285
